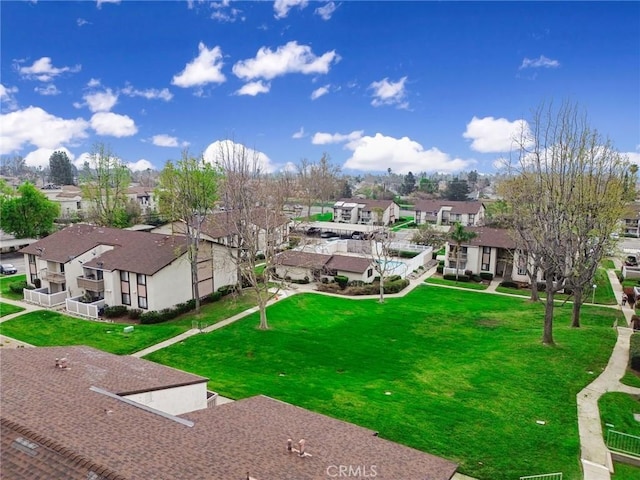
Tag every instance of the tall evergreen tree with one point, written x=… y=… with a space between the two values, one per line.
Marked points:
x=60 y=168
x=457 y=190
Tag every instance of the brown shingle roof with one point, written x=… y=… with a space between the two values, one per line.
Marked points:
x=492 y=237
x=139 y=252
x=296 y=258
x=78 y=427
x=347 y=263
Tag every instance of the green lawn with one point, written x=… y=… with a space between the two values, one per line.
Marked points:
x=5 y=281
x=625 y=472
x=603 y=292
x=8 y=309
x=47 y=328
x=467 y=376
x=617 y=409
x=452 y=283
x=608 y=264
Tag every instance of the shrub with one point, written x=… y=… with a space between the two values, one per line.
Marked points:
x=393 y=278
x=260 y=256
x=634 y=351
x=37 y=283
x=227 y=289
x=476 y=278
x=341 y=280
x=468 y=273
x=17 y=287
x=300 y=281
x=294 y=242
x=395 y=287
x=134 y=313
x=440 y=269
x=115 y=311
x=215 y=296
x=486 y=276
x=508 y=284
x=452 y=276
x=149 y=318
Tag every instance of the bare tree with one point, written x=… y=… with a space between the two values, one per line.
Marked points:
x=104 y=183
x=560 y=191
x=257 y=225
x=325 y=177
x=428 y=234
x=186 y=193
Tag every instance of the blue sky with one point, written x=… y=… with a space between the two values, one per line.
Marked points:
x=411 y=86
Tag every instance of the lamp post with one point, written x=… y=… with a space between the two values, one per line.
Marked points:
x=593 y=296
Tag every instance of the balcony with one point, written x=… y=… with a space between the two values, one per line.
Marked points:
x=91 y=284
x=54 y=277
x=453 y=257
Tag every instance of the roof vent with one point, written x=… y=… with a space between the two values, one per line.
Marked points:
x=62 y=363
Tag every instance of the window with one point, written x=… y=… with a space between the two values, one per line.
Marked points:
x=124 y=288
x=33 y=277
x=522 y=263
x=369 y=272
x=142 y=279
x=126 y=299
x=472 y=219
x=142 y=302
x=124 y=276
x=62 y=268
x=142 y=291
x=32 y=259
x=486 y=259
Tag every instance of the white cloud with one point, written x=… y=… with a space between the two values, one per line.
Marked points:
x=100 y=2
x=213 y=154
x=404 y=155
x=43 y=70
x=47 y=90
x=164 y=140
x=321 y=138
x=94 y=82
x=223 y=12
x=290 y=58
x=298 y=134
x=495 y=135
x=149 y=93
x=254 y=88
x=34 y=126
x=7 y=98
x=632 y=157
x=82 y=22
x=205 y=68
x=282 y=7
x=318 y=92
x=140 y=166
x=113 y=124
x=540 y=62
x=326 y=11
x=81 y=159
x=389 y=93
x=101 y=101
x=40 y=157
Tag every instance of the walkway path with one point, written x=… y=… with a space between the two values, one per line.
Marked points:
x=595 y=457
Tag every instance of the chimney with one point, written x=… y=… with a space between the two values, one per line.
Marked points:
x=289 y=445
x=301 y=447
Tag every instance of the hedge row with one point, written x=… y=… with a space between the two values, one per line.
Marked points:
x=634 y=352
x=361 y=288
x=17 y=287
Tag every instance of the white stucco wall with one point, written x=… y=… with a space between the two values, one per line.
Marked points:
x=167 y=287
x=174 y=401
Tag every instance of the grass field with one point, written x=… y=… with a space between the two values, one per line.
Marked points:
x=452 y=283
x=47 y=328
x=5 y=281
x=466 y=375
x=7 y=309
x=603 y=294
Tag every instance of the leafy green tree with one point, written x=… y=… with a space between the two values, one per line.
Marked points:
x=428 y=185
x=30 y=214
x=104 y=183
x=187 y=191
x=60 y=169
x=459 y=235
x=457 y=190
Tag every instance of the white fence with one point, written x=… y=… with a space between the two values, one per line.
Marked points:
x=41 y=296
x=546 y=476
x=85 y=309
x=623 y=442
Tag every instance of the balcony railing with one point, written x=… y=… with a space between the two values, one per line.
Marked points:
x=54 y=277
x=91 y=284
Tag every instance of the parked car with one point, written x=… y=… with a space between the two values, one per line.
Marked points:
x=8 y=269
x=313 y=231
x=329 y=235
x=357 y=236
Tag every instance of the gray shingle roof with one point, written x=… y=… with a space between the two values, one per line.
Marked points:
x=77 y=430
